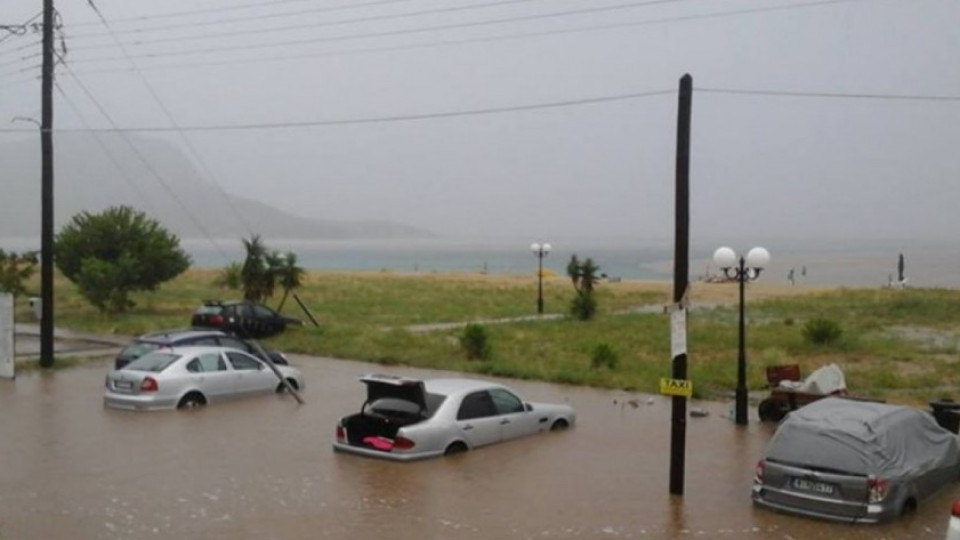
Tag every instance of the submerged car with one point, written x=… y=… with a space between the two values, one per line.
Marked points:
x=188 y=337
x=243 y=318
x=406 y=419
x=855 y=461
x=190 y=377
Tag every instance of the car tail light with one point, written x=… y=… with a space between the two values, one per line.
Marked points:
x=216 y=320
x=758 y=472
x=341 y=435
x=402 y=443
x=955 y=509
x=877 y=489
x=149 y=384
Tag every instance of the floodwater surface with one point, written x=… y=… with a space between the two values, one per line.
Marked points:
x=263 y=468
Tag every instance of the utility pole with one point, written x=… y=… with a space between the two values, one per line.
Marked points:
x=681 y=255
x=46 y=190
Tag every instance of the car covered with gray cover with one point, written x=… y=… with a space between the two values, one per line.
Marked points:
x=855 y=461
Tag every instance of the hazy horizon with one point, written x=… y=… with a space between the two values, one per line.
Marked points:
x=527 y=119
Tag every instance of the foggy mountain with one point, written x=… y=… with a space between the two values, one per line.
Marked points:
x=92 y=174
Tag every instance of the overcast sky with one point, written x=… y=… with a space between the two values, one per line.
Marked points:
x=839 y=156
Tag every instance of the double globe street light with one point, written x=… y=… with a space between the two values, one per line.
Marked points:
x=742 y=269
x=540 y=251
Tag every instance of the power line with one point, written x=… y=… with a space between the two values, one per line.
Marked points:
x=145 y=162
x=386 y=119
x=408 y=31
x=98 y=137
x=166 y=111
x=260 y=18
x=206 y=11
x=832 y=95
x=488 y=39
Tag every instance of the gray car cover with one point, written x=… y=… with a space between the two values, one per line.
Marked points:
x=859 y=437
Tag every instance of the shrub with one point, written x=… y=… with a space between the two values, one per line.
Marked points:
x=583 y=307
x=821 y=331
x=473 y=341
x=604 y=356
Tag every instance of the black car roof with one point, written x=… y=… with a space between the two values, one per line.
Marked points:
x=170 y=336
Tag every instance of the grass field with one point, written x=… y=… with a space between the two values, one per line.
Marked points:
x=897 y=345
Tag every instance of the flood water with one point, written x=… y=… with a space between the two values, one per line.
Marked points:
x=263 y=469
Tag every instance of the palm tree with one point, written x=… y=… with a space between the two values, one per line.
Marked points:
x=290 y=275
x=255 y=274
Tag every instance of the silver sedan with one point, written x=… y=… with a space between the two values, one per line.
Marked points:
x=192 y=377
x=405 y=419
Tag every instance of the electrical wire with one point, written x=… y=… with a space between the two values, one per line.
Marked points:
x=261 y=17
x=391 y=33
x=106 y=151
x=385 y=119
x=456 y=42
x=831 y=95
x=207 y=172
x=146 y=163
x=222 y=9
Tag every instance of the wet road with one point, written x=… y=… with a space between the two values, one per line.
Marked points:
x=263 y=468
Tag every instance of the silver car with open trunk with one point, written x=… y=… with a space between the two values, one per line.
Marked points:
x=405 y=419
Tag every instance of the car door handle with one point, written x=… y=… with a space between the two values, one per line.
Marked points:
x=504 y=421
x=467 y=427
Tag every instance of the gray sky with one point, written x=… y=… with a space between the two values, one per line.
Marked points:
x=762 y=165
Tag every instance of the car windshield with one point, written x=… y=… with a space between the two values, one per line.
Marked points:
x=138 y=349
x=155 y=362
x=209 y=310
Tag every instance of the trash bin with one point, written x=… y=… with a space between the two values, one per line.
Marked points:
x=947 y=413
x=36 y=304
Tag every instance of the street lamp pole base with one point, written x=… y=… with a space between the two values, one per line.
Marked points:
x=741 y=407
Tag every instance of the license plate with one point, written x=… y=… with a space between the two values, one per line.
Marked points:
x=813 y=486
x=123 y=385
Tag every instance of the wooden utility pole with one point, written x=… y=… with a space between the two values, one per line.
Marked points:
x=681 y=255
x=46 y=190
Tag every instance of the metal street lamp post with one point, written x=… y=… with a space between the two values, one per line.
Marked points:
x=742 y=269
x=540 y=251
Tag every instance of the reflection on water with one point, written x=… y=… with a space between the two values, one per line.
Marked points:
x=263 y=468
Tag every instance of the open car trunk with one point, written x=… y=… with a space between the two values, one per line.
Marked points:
x=392 y=403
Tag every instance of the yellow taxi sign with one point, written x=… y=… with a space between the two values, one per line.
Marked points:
x=676 y=387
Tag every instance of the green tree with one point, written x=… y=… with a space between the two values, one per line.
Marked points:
x=584 y=275
x=117 y=252
x=289 y=275
x=15 y=270
x=255 y=275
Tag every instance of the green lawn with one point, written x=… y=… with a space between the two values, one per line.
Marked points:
x=898 y=345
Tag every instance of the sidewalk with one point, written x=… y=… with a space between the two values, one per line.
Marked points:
x=27 y=341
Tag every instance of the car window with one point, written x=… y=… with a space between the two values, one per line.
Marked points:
x=212 y=362
x=260 y=311
x=242 y=361
x=208 y=310
x=505 y=402
x=138 y=349
x=155 y=362
x=201 y=340
x=235 y=343
x=476 y=405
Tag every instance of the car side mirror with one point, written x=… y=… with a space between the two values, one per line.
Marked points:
x=528 y=407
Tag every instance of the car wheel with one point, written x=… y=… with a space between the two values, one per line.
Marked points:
x=770 y=411
x=559 y=425
x=281 y=388
x=192 y=400
x=455 y=448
